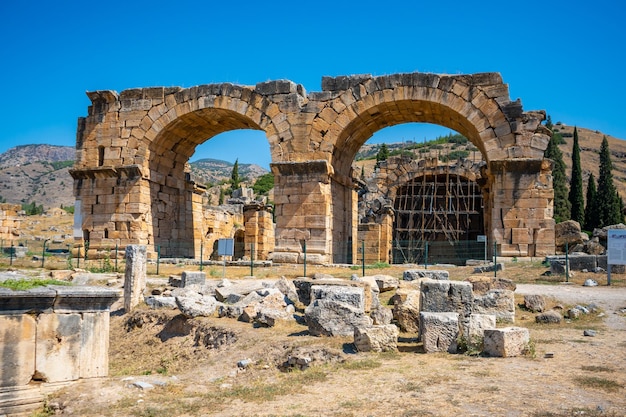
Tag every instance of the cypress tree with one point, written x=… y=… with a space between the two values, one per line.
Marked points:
x=608 y=200
x=382 y=155
x=591 y=209
x=559 y=181
x=576 y=184
x=235 y=180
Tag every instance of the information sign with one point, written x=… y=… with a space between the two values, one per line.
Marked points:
x=616 y=245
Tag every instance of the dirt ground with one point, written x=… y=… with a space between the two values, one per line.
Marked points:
x=193 y=365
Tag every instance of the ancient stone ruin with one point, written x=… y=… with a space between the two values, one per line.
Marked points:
x=131 y=185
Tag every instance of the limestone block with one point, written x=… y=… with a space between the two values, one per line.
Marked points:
x=474 y=330
x=94 y=348
x=383 y=338
x=439 y=331
x=501 y=303
x=59 y=340
x=18 y=344
x=134 y=276
x=447 y=296
x=506 y=342
x=406 y=310
x=353 y=296
x=413 y=274
x=328 y=317
x=193 y=278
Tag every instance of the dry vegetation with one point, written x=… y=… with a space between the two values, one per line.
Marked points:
x=192 y=364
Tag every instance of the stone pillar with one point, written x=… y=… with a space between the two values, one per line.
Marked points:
x=520 y=208
x=135 y=276
x=302 y=195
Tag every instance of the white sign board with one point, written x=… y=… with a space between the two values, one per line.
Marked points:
x=616 y=254
x=481 y=238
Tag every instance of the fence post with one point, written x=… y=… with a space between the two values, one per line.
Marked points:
x=426 y=257
x=495 y=258
x=201 y=248
x=43 y=252
x=11 y=254
x=251 y=259
x=116 y=248
x=304 y=250
x=363 y=256
x=566 y=262
x=158 y=258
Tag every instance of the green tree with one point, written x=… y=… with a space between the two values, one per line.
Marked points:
x=608 y=200
x=220 y=200
x=562 y=205
x=383 y=154
x=576 y=184
x=549 y=124
x=263 y=184
x=235 y=180
x=591 y=210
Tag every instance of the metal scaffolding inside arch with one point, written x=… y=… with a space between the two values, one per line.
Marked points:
x=437 y=205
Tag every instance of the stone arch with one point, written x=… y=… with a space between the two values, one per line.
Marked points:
x=148 y=134
x=477 y=106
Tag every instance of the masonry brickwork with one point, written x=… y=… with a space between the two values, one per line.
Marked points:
x=133 y=147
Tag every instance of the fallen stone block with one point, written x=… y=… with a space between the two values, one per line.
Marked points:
x=447 y=296
x=383 y=338
x=381 y=315
x=439 y=331
x=192 y=278
x=549 y=317
x=406 y=310
x=327 y=317
x=534 y=302
x=473 y=332
x=414 y=274
x=506 y=342
x=501 y=303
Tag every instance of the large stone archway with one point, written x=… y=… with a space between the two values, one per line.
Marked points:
x=131 y=187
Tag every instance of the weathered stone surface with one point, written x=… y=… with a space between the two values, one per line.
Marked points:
x=473 y=332
x=535 y=303
x=447 y=296
x=159 y=301
x=381 y=315
x=383 y=338
x=501 y=303
x=506 y=342
x=406 y=310
x=386 y=282
x=313 y=129
x=288 y=288
x=18 y=342
x=548 y=317
x=191 y=304
x=489 y=268
x=414 y=274
x=481 y=284
x=568 y=232
x=439 y=331
x=94 y=345
x=241 y=288
x=192 y=278
x=134 y=276
x=331 y=318
x=58 y=347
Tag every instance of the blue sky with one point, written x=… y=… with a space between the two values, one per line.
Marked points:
x=565 y=57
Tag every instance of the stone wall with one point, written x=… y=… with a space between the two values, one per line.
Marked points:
x=9 y=223
x=50 y=336
x=133 y=147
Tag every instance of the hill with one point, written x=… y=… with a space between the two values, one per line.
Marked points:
x=40 y=174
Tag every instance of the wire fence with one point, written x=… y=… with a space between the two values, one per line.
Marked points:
x=65 y=255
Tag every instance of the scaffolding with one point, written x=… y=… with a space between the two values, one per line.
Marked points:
x=437 y=205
